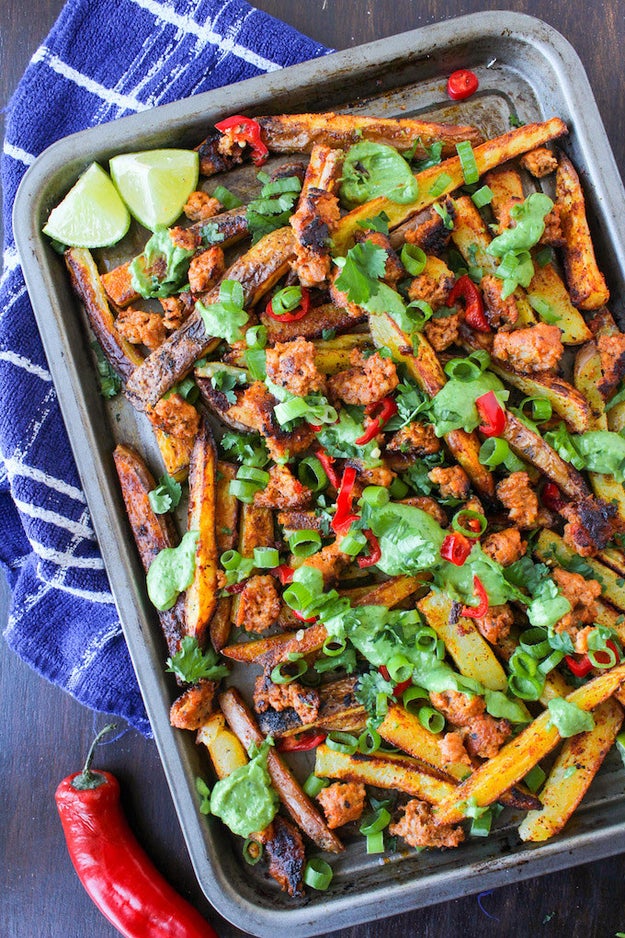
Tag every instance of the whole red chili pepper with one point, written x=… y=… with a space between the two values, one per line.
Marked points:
x=245 y=130
x=112 y=866
x=327 y=462
x=292 y=315
x=491 y=411
x=304 y=742
x=476 y=612
x=380 y=413
x=456 y=548
x=462 y=84
x=465 y=289
x=375 y=551
x=344 y=517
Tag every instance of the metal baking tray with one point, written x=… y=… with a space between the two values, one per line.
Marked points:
x=525 y=69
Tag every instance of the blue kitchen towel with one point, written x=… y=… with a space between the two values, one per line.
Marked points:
x=102 y=60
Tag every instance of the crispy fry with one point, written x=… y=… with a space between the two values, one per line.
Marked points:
x=550 y=548
x=294 y=799
x=531 y=446
x=586 y=283
x=226 y=751
x=201 y=596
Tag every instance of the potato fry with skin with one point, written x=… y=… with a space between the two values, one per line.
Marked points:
x=292 y=796
x=487 y=156
x=256 y=529
x=471 y=652
x=517 y=757
x=201 y=596
x=531 y=447
x=550 y=548
x=566 y=401
x=587 y=375
x=224 y=748
x=585 y=281
x=226 y=507
x=389 y=771
x=570 y=777
x=221 y=623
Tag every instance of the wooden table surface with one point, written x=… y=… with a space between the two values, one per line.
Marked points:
x=44 y=733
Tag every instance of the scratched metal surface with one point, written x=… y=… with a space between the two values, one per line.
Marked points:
x=525 y=68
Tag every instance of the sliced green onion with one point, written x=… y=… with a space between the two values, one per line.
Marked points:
x=342 y=742
x=333 y=647
x=318 y=874
x=290 y=410
x=377 y=823
x=480 y=826
x=230 y=559
x=304 y=543
x=545 y=310
x=227 y=198
x=462 y=369
x=369 y=741
x=399 y=669
x=541 y=408
x=419 y=312
x=375 y=495
x=513 y=463
x=482 y=197
x=297 y=596
x=612 y=657
x=252 y=850
x=412 y=697
x=312 y=474
x=375 y=842
x=548 y=664
x=522 y=664
x=398 y=489
x=440 y=184
x=430 y=719
x=313 y=785
x=297 y=668
x=470 y=515
x=493 y=452
x=243 y=490
x=467 y=162
x=544 y=257
x=526 y=688
x=414 y=259
x=425 y=639
x=266 y=558
x=256 y=337
x=535 y=779
x=353 y=543
x=286 y=300
x=535 y=642
x=252 y=474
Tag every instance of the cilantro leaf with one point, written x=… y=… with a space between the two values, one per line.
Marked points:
x=191 y=665
x=372 y=691
x=225 y=381
x=364 y=265
x=247 y=448
x=166 y=495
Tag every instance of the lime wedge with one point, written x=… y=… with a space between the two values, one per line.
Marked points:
x=91 y=215
x=155 y=184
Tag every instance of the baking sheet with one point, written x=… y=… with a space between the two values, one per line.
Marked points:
x=525 y=69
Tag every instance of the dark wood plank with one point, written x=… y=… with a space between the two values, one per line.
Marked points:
x=44 y=733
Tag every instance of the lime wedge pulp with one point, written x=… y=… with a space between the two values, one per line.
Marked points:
x=92 y=215
x=155 y=184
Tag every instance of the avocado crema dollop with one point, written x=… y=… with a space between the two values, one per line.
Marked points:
x=245 y=800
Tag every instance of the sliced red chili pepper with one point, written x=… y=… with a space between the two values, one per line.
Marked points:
x=236 y=587
x=327 y=462
x=476 y=612
x=284 y=573
x=245 y=130
x=375 y=551
x=580 y=667
x=456 y=548
x=552 y=498
x=464 y=289
x=112 y=866
x=493 y=414
x=302 y=618
x=398 y=688
x=380 y=413
x=303 y=742
x=292 y=315
x=344 y=517
x=462 y=84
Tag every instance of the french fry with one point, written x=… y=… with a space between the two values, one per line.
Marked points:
x=550 y=548
x=338 y=710
x=487 y=156
x=586 y=283
x=201 y=596
x=587 y=375
x=291 y=794
x=517 y=757
x=569 y=779
x=567 y=402
x=422 y=364
x=257 y=271
x=221 y=623
x=224 y=748
x=226 y=507
x=389 y=771
x=471 y=652
x=531 y=447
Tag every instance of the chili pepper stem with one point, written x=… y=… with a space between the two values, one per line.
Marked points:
x=88 y=779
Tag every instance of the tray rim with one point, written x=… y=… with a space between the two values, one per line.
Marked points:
x=117 y=553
